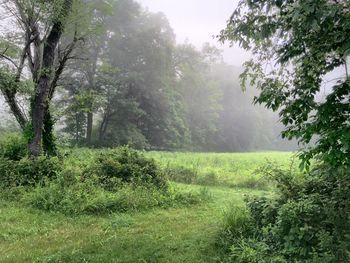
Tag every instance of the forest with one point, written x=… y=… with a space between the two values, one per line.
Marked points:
x=119 y=142
x=127 y=82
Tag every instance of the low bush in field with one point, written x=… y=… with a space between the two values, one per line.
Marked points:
x=16 y=169
x=124 y=165
x=116 y=180
x=28 y=172
x=87 y=197
x=309 y=221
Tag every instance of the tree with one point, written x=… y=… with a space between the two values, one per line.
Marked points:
x=141 y=49
x=200 y=93
x=295 y=44
x=35 y=56
x=40 y=26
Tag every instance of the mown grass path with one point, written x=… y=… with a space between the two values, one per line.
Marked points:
x=172 y=235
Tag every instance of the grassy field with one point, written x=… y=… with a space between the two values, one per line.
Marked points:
x=185 y=234
x=224 y=169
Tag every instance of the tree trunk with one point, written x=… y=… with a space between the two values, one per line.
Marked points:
x=91 y=75
x=76 y=129
x=40 y=102
x=49 y=142
x=103 y=126
x=15 y=109
x=90 y=118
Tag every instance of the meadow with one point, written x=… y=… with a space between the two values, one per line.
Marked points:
x=161 y=234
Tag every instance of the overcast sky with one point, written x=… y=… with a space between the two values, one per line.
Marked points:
x=197 y=21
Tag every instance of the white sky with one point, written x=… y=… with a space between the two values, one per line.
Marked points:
x=197 y=21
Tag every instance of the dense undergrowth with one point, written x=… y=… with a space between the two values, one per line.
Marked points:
x=117 y=180
x=308 y=220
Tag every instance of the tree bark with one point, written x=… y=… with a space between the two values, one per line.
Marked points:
x=49 y=143
x=104 y=125
x=40 y=101
x=90 y=119
x=91 y=78
x=76 y=129
x=15 y=109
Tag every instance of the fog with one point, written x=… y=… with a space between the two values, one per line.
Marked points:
x=197 y=22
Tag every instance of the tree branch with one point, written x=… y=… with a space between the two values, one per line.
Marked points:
x=62 y=63
x=9 y=59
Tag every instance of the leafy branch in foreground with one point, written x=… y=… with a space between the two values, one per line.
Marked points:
x=295 y=44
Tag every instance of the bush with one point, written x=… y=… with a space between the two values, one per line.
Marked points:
x=13 y=147
x=124 y=165
x=28 y=172
x=309 y=221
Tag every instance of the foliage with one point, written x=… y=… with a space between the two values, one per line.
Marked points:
x=108 y=181
x=124 y=165
x=27 y=171
x=295 y=44
x=49 y=140
x=13 y=147
x=237 y=224
x=307 y=222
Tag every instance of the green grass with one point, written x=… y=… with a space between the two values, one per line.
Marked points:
x=184 y=234
x=229 y=169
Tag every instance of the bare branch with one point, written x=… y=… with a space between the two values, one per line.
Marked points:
x=9 y=59
x=62 y=63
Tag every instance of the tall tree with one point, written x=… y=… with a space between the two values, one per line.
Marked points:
x=200 y=93
x=40 y=25
x=46 y=36
x=136 y=77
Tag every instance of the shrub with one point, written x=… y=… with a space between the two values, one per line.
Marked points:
x=28 y=172
x=309 y=220
x=124 y=165
x=13 y=147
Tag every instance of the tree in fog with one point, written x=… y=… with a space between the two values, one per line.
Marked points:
x=136 y=86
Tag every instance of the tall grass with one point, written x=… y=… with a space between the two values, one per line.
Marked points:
x=224 y=169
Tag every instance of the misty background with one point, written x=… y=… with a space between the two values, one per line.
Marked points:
x=157 y=78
